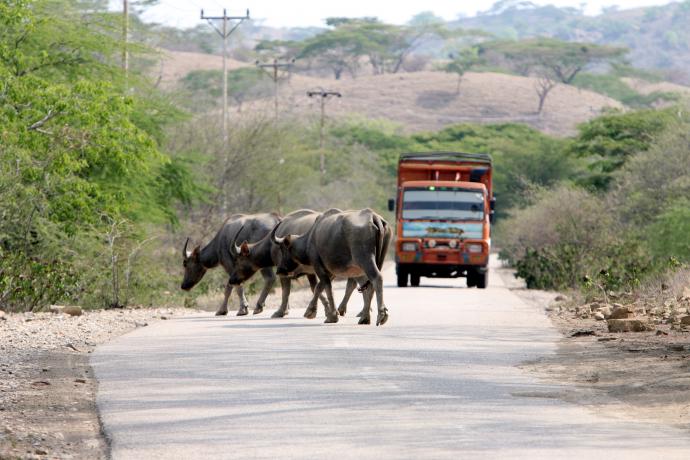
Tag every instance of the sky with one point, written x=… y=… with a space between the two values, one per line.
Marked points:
x=301 y=13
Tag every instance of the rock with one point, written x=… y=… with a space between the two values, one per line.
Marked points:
x=620 y=312
x=40 y=452
x=72 y=310
x=561 y=298
x=582 y=333
x=685 y=295
x=660 y=332
x=606 y=311
x=685 y=321
x=594 y=306
x=627 y=325
x=599 y=316
x=3 y=316
x=80 y=380
x=553 y=306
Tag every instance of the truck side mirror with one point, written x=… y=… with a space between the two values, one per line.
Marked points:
x=492 y=203
x=492 y=217
x=391 y=204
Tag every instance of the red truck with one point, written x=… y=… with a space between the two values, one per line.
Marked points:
x=443 y=214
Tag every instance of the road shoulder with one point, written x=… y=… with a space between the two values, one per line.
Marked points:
x=641 y=375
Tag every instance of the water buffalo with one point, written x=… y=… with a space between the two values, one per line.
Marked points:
x=251 y=257
x=349 y=244
x=245 y=227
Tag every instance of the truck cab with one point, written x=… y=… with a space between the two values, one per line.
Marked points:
x=443 y=213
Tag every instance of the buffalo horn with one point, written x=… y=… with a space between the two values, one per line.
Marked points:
x=184 y=250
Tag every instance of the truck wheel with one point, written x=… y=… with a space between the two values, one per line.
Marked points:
x=414 y=279
x=471 y=278
x=482 y=279
x=402 y=278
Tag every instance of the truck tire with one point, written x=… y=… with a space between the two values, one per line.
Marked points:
x=471 y=278
x=482 y=279
x=414 y=279
x=402 y=278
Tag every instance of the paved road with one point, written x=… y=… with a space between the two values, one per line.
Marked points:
x=438 y=381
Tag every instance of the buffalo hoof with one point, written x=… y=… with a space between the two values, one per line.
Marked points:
x=364 y=320
x=331 y=319
x=280 y=314
x=342 y=310
x=310 y=314
x=243 y=311
x=221 y=312
x=382 y=318
x=257 y=310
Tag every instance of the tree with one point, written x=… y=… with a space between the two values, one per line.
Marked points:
x=340 y=49
x=244 y=84
x=609 y=140
x=73 y=148
x=551 y=61
x=462 y=62
x=386 y=46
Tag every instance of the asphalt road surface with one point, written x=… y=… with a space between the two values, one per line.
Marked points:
x=439 y=380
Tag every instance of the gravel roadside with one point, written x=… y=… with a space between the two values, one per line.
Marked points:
x=47 y=392
x=642 y=375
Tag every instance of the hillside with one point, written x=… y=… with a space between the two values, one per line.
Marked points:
x=423 y=101
x=657 y=36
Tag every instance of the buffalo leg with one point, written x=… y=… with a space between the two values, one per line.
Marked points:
x=365 y=314
x=364 y=281
x=269 y=281
x=349 y=289
x=284 y=308
x=244 y=305
x=310 y=313
x=376 y=279
x=325 y=279
x=223 y=309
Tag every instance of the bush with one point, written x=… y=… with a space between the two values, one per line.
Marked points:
x=568 y=236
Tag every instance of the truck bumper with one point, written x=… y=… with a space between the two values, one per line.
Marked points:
x=439 y=270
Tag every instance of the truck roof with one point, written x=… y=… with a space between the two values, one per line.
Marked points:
x=445 y=183
x=481 y=158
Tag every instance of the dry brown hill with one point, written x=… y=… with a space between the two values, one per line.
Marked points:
x=424 y=101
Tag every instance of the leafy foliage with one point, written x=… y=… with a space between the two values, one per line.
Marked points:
x=73 y=148
x=608 y=141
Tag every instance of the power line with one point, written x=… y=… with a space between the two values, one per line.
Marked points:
x=224 y=34
x=275 y=65
x=323 y=95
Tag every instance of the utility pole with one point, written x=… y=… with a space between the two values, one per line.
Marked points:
x=323 y=95
x=274 y=76
x=224 y=34
x=125 y=38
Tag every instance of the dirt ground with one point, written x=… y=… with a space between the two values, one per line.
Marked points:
x=642 y=375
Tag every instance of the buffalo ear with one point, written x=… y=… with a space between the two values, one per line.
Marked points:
x=244 y=249
x=195 y=252
x=287 y=241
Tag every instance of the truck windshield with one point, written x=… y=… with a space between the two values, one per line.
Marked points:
x=442 y=203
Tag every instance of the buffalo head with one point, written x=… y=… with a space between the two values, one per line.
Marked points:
x=286 y=263
x=194 y=270
x=244 y=262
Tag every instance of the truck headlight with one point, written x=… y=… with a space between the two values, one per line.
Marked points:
x=474 y=248
x=453 y=244
x=409 y=247
x=432 y=243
